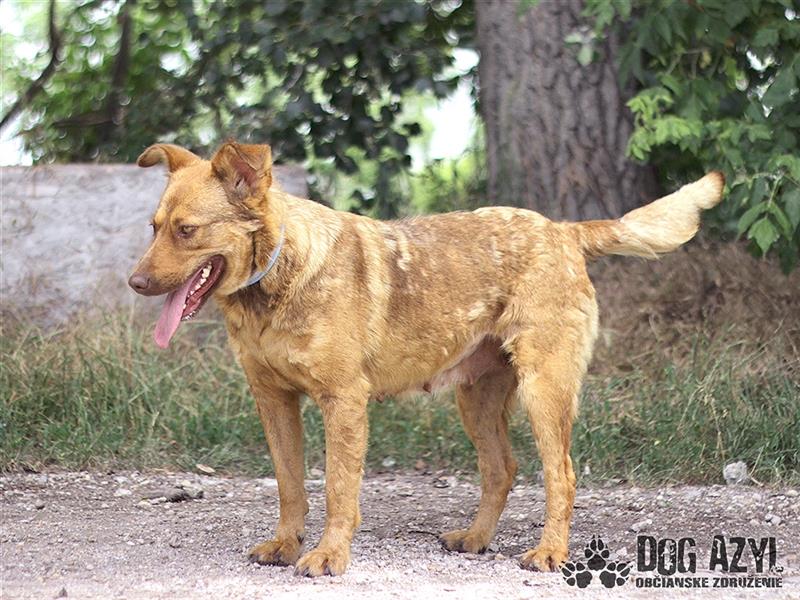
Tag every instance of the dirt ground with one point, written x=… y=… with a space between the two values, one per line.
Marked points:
x=109 y=536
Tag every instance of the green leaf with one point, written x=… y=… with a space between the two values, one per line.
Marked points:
x=780 y=91
x=766 y=36
x=781 y=219
x=585 y=55
x=786 y=161
x=760 y=189
x=664 y=30
x=736 y=12
x=623 y=8
x=738 y=195
x=747 y=219
x=764 y=234
x=791 y=204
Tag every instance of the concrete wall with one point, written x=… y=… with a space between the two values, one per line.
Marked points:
x=71 y=234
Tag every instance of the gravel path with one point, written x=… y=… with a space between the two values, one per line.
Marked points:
x=108 y=536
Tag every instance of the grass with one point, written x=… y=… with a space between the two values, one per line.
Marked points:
x=100 y=395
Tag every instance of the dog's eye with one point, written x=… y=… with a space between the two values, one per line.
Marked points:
x=186 y=231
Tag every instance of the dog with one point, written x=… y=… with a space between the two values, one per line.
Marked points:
x=343 y=308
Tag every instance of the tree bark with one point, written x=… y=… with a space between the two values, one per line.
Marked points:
x=119 y=77
x=556 y=131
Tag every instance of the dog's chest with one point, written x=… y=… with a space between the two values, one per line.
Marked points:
x=286 y=356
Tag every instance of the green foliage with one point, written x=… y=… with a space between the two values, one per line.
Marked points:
x=448 y=185
x=719 y=89
x=99 y=394
x=315 y=79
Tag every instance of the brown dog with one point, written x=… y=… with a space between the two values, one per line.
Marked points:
x=496 y=302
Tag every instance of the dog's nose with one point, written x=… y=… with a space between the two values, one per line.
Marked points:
x=139 y=282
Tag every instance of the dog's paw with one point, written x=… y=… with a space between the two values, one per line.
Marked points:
x=276 y=552
x=463 y=540
x=597 y=553
x=615 y=574
x=323 y=562
x=543 y=558
x=576 y=574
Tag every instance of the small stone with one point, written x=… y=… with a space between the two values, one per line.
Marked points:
x=420 y=465
x=38 y=505
x=159 y=493
x=792 y=493
x=205 y=469
x=638 y=526
x=773 y=519
x=178 y=496
x=174 y=542
x=316 y=473
x=195 y=492
x=122 y=492
x=62 y=593
x=388 y=462
x=736 y=473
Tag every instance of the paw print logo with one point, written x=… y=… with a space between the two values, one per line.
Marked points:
x=615 y=574
x=596 y=553
x=576 y=574
x=611 y=573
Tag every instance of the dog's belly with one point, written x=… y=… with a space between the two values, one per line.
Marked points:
x=482 y=357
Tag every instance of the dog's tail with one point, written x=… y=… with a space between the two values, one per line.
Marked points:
x=655 y=228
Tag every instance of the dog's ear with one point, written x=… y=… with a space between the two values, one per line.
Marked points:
x=175 y=156
x=244 y=169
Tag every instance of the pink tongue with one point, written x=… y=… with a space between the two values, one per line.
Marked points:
x=171 y=315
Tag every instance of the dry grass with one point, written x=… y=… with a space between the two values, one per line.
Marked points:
x=653 y=312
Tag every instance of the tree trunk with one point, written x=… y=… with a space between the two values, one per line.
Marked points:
x=556 y=131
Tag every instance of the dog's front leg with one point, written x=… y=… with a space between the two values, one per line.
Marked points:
x=279 y=411
x=345 y=419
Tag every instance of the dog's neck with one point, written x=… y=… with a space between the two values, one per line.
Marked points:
x=269 y=240
x=307 y=230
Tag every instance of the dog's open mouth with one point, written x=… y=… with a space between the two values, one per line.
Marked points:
x=184 y=303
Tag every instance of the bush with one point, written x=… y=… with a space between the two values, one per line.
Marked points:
x=719 y=89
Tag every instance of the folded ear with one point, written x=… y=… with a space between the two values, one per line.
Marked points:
x=175 y=156
x=243 y=169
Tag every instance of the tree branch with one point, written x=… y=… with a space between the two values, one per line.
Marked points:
x=38 y=85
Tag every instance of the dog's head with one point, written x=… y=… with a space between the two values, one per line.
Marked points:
x=202 y=230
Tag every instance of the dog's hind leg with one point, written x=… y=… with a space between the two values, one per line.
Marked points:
x=279 y=411
x=551 y=362
x=484 y=408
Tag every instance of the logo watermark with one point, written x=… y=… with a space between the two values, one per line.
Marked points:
x=733 y=561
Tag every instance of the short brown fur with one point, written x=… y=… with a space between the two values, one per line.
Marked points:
x=496 y=302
